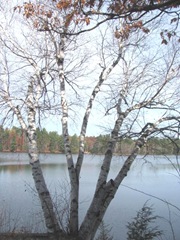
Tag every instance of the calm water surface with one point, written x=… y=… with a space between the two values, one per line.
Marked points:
x=151 y=179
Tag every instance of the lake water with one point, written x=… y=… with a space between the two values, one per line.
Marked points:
x=151 y=179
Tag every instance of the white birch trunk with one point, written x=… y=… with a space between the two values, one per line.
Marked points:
x=99 y=203
x=74 y=181
x=102 y=78
x=43 y=192
x=74 y=171
x=106 y=192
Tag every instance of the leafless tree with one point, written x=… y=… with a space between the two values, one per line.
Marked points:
x=133 y=83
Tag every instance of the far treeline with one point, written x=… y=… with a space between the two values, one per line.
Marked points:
x=15 y=140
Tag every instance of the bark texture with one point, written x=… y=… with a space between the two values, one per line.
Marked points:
x=40 y=184
x=74 y=193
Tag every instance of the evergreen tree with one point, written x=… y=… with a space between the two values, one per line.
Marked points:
x=74 y=143
x=141 y=226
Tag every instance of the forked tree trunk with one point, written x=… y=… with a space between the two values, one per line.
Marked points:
x=106 y=191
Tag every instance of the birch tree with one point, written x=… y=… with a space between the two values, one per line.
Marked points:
x=128 y=79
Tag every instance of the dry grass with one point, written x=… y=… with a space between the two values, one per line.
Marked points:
x=25 y=236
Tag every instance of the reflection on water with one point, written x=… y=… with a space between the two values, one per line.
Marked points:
x=13 y=168
x=152 y=175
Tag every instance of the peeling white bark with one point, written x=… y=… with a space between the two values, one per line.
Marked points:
x=30 y=129
x=102 y=78
x=99 y=203
x=106 y=191
x=74 y=181
x=43 y=192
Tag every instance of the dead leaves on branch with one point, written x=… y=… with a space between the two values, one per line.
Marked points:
x=125 y=31
x=92 y=7
x=62 y=5
x=38 y=13
x=81 y=11
x=30 y=10
x=166 y=36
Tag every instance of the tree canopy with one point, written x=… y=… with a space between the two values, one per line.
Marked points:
x=75 y=17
